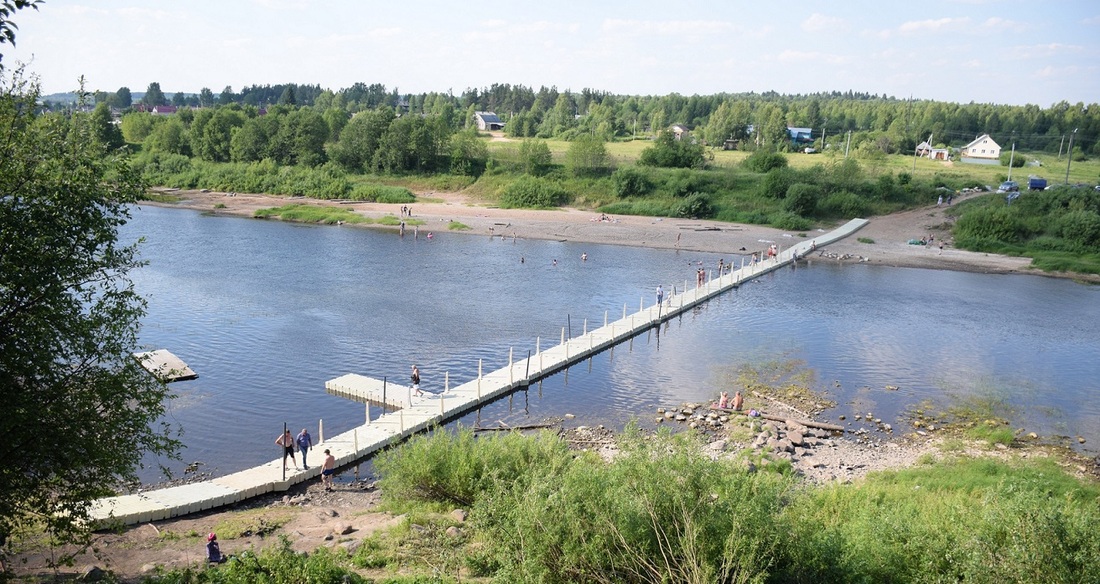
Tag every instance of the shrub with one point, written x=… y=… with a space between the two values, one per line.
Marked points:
x=631 y=181
x=776 y=183
x=529 y=191
x=801 y=199
x=696 y=206
x=762 y=161
x=790 y=222
x=381 y=194
x=843 y=204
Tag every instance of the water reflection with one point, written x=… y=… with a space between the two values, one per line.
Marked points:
x=266 y=312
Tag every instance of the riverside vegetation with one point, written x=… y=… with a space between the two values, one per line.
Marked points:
x=661 y=510
x=364 y=144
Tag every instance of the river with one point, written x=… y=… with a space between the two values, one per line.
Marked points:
x=265 y=312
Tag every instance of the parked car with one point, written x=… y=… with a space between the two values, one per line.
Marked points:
x=1009 y=186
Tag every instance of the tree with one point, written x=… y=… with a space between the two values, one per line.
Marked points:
x=153 y=95
x=121 y=98
x=7 y=27
x=668 y=152
x=136 y=126
x=206 y=97
x=79 y=410
x=587 y=156
x=104 y=128
x=227 y=96
x=535 y=157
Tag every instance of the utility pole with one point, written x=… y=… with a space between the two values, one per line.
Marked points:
x=1011 y=157
x=1060 y=144
x=849 y=143
x=1069 y=154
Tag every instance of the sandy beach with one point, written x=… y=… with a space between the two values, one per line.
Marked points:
x=890 y=234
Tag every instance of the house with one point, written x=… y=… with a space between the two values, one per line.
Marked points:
x=488 y=121
x=163 y=109
x=679 y=131
x=939 y=154
x=923 y=149
x=982 y=147
x=800 y=135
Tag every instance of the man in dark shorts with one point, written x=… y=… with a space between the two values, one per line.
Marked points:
x=287 y=442
x=328 y=467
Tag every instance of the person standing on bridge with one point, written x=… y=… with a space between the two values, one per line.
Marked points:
x=416 y=381
x=287 y=442
x=660 y=294
x=305 y=442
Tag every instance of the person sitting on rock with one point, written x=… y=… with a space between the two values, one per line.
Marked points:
x=724 y=400
x=738 y=401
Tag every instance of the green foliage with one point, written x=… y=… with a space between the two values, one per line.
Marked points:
x=381 y=194
x=535 y=157
x=802 y=198
x=457 y=226
x=696 y=206
x=529 y=191
x=668 y=152
x=865 y=240
x=1017 y=159
x=1059 y=228
x=777 y=182
x=661 y=512
x=587 y=157
x=844 y=205
x=964 y=520
x=300 y=213
x=631 y=181
x=79 y=410
x=459 y=468
x=278 y=564
x=763 y=161
x=790 y=221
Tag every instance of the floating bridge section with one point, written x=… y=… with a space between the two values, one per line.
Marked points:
x=414 y=414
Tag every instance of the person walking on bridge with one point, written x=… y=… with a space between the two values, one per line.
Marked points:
x=416 y=381
x=305 y=442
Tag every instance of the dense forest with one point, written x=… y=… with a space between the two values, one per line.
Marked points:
x=887 y=123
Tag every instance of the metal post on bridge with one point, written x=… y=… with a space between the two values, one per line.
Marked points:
x=446 y=381
x=539 y=351
x=281 y=440
x=479 y=380
x=321 y=429
x=510 y=375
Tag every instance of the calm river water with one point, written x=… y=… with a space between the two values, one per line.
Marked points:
x=266 y=312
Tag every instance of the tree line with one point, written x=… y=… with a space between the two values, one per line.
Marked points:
x=754 y=120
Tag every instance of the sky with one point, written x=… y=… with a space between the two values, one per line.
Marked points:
x=986 y=51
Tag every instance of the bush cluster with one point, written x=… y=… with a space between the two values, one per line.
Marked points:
x=662 y=511
x=1059 y=225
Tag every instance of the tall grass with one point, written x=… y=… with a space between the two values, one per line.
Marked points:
x=662 y=512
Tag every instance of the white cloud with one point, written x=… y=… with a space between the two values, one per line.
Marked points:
x=668 y=27
x=1091 y=20
x=377 y=34
x=791 y=56
x=818 y=22
x=1001 y=24
x=937 y=25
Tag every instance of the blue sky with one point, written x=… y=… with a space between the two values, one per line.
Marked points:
x=995 y=51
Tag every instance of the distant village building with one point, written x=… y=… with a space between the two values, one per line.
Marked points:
x=982 y=147
x=488 y=121
x=923 y=149
x=163 y=110
x=679 y=131
x=800 y=135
